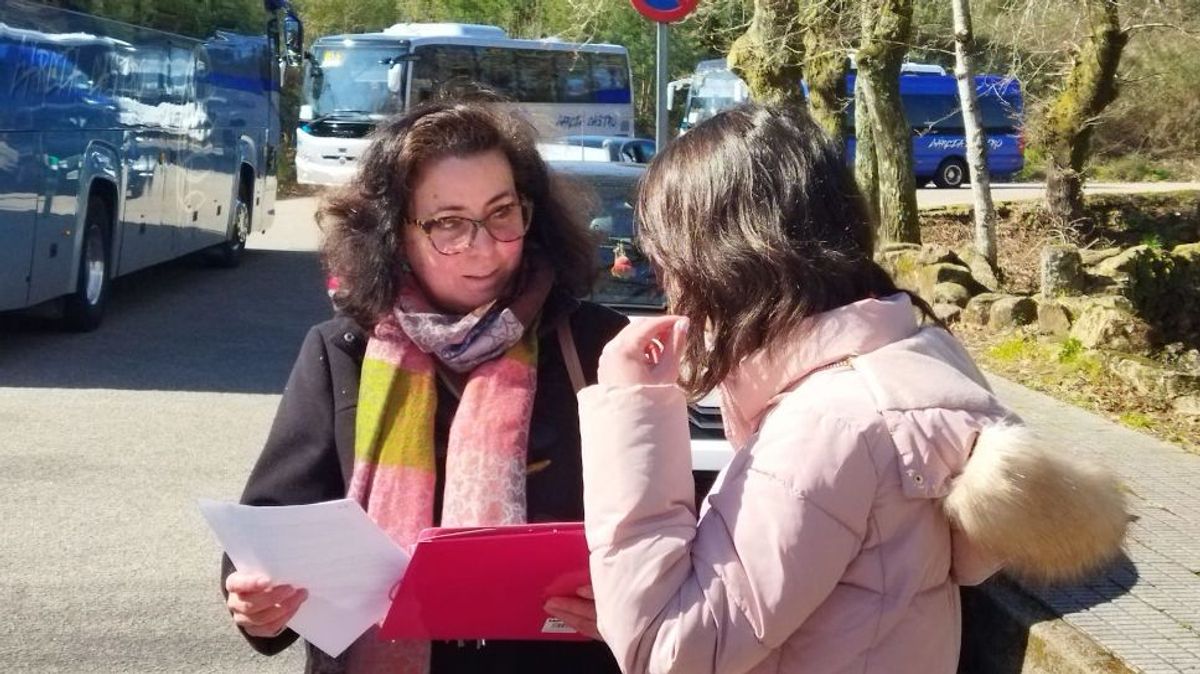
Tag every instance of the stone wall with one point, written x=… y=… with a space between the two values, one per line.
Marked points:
x=1123 y=305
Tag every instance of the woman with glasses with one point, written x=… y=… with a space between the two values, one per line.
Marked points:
x=443 y=392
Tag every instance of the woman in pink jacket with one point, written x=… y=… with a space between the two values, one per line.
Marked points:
x=874 y=471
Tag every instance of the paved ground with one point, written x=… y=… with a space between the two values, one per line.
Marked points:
x=109 y=438
x=1146 y=609
x=1001 y=192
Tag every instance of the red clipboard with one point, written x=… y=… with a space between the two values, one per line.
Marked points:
x=489 y=583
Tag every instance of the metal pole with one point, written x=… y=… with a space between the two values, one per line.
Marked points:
x=660 y=84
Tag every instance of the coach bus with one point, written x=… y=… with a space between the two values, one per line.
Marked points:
x=931 y=106
x=353 y=81
x=122 y=146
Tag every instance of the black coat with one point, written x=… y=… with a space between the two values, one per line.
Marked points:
x=309 y=456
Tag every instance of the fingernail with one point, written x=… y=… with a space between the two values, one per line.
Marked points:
x=683 y=325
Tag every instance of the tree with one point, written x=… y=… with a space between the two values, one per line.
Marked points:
x=981 y=186
x=886 y=29
x=769 y=56
x=1091 y=84
x=824 y=26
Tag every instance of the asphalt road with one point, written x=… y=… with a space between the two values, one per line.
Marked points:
x=109 y=438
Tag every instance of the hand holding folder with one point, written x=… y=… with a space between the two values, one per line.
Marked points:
x=489 y=583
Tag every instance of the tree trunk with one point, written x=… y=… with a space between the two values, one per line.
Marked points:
x=887 y=27
x=1091 y=85
x=825 y=63
x=770 y=54
x=981 y=182
x=864 y=155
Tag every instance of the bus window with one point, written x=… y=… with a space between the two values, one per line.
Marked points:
x=610 y=78
x=574 y=81
x=535 y=76
x=437 y=67
x=999 y=115
x=933 y=113
x=496 y=70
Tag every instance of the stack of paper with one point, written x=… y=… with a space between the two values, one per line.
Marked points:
x=332 y=549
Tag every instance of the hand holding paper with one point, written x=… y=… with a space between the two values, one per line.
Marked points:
x=332 y=550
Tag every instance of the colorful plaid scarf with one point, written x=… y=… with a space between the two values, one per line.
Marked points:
x=395 y=467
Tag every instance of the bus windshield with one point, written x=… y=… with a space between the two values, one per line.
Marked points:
x=711 y=93
x=351 y=81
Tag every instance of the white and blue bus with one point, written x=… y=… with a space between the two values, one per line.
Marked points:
x=122 y=147
x=353 y=81
x=931 y=106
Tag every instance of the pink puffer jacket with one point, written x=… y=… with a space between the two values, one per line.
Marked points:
x=875 y=472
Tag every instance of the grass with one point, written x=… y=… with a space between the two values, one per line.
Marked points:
x=1135 y=420
x=1065 y=370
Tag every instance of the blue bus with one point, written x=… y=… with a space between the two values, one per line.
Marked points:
x=932 y=109
x=931 y=105
x=123 y=147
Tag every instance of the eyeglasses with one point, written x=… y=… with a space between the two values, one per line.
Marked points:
x=453 y=234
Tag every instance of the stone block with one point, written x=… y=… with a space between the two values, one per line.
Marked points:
x=1107 y=324
x=1062 y=271
x=951 y=293
x=1053 y=319
x=979 y=308
x=1010 y=312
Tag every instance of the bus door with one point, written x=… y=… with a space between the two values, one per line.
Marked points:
x=20 y=174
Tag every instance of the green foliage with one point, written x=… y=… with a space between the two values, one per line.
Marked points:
x=196 y=18
x=1135 y=420
x=1133 y=167
x=1013 y=349
x=1152 y=239
x=1070 y=350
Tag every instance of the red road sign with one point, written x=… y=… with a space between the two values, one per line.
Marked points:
x=664 y=11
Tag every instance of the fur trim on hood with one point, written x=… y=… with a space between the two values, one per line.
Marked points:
x=1050 y=517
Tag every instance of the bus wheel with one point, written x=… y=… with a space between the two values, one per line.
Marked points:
x=952 y=173
x=84 y=308
x=229 y=254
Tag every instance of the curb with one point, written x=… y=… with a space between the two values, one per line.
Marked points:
x=1006 y=630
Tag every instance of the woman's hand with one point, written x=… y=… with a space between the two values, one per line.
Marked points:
x=577 y=612
x=647 y=351
x=258 y=606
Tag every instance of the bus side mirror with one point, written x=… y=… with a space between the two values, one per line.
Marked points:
x=306 y=114
x=293 y=38
x=395 y=77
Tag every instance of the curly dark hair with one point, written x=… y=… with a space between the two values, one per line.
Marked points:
x=363 y=221
x=756 y=225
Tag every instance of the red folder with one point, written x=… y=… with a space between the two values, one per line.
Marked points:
x=489 y=583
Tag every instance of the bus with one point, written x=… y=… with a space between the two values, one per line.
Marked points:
x=351 y=82
x=122 y=147
x=931 y=106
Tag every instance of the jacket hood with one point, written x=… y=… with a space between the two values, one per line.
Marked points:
x=1048 y=516
x=1043 y=513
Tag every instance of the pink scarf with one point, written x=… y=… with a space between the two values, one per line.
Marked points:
x=395 y=465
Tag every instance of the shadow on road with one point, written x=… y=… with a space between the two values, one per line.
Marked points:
x=179 y=327
x=998 y=616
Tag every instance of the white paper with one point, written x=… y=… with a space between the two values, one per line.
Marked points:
x=332 y=549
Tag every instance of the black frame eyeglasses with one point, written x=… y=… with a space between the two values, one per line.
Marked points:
x=449 y=234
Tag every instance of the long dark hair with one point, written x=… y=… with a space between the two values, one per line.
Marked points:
x=363 y=221
x=756 y=224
